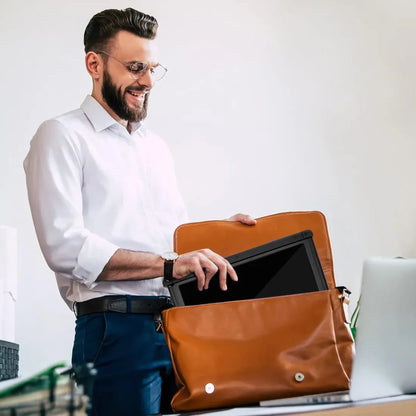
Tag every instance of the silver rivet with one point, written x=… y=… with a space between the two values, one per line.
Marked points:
x=299 y=377
x=209 y=388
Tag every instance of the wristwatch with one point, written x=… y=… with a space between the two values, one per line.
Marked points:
x=169 y=257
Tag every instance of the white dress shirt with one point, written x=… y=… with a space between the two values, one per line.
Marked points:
x=94 y=188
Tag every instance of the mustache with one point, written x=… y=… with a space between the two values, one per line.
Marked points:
x=138 y=88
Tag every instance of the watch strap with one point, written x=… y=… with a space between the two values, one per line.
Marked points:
x=168 y=269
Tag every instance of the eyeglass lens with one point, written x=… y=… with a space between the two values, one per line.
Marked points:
x=137 y=69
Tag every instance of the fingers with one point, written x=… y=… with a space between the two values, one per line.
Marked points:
x=224 y=269
x=204 y=264
x=243 y=218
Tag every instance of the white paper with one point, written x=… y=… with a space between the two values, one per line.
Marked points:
x=8 y=282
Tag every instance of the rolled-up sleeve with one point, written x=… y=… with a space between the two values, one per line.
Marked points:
x=54 y=178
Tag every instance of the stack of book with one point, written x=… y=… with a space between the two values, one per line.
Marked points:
x=53 y=391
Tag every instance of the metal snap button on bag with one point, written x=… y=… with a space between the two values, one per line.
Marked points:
x=299 y=377
x=209 y=388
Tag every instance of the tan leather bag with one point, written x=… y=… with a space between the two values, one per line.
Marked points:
x=239 y=353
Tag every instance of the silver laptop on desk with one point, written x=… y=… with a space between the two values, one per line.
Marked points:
x=385 y=359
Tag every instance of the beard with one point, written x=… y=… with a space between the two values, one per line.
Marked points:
x=115 y=100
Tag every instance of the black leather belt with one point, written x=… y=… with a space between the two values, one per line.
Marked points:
x=123 y=304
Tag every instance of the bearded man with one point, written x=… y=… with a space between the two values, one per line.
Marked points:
x=105 y=204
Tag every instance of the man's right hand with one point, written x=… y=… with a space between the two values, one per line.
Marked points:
x=204 y=264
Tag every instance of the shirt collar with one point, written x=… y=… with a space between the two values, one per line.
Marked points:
x=100 y=118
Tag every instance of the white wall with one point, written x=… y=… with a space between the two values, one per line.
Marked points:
x=268 y=106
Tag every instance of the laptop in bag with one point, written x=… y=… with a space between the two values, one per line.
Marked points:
x=285 y=266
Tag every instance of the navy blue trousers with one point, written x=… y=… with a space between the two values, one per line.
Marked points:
x=134 y=371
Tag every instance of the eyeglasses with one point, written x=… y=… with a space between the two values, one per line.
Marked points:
x=137 y=69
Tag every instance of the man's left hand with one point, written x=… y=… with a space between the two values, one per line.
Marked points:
x=243 y=218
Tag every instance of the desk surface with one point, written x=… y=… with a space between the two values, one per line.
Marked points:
x=398 y=408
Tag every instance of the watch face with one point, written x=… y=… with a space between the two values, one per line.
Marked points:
x=170 y=255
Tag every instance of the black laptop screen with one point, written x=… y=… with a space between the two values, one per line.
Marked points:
x=282 y=267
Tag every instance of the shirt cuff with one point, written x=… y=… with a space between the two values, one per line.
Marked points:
x=92 y=258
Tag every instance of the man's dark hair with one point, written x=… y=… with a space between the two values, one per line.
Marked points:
x=105 y=25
